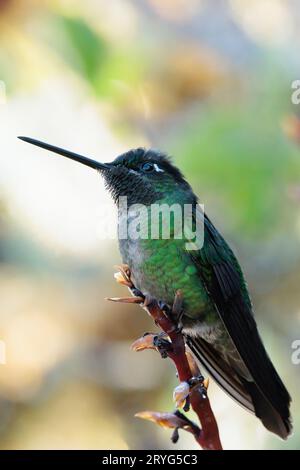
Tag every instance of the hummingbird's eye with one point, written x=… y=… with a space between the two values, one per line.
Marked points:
x=147 y=167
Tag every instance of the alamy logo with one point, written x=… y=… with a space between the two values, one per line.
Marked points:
x=295 y=98
x=156 y=221
x=295 y=358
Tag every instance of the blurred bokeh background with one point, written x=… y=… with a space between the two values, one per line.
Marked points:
x=208 y=81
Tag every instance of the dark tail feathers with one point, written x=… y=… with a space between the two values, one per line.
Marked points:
x=279 y=424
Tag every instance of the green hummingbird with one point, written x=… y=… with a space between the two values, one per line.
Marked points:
x=217 y=316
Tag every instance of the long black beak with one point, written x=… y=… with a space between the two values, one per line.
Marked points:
x=68 y=154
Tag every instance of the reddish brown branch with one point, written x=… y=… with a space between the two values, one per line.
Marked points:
x=208 y=435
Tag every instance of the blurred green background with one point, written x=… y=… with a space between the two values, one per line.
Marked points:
x=208 y=81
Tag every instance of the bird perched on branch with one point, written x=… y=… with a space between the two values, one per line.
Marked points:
x=216 y=316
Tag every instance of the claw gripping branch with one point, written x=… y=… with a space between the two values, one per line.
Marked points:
x=192 y=390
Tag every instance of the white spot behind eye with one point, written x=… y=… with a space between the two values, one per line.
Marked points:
x=156 y=167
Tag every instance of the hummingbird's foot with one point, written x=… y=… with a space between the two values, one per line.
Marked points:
x=161 y=335
x=148 y=300
x=162 y=345
x=174 y=313
x=179 y=327
x=200 y=384
x=148 y=341
x=137 y=293
x=165 y=308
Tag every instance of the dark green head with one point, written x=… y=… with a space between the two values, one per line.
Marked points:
x=144 y=176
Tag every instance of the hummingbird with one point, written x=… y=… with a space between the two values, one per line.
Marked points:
x=217 y=318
